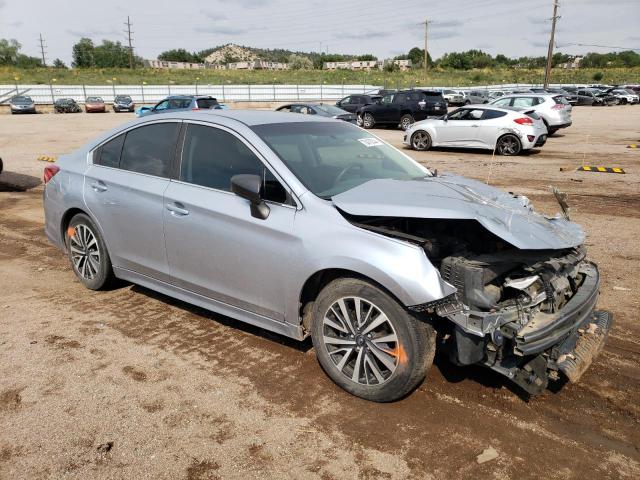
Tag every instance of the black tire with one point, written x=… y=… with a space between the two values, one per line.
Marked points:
x=467 y=102
x=1 y=165
x=508 y=145
x=411 y=356
x=103 y=275
x=367 y=120
x=406 y=121
x=421 y=141
x=552 y=131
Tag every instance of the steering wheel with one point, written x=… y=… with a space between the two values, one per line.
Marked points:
x=347 y=169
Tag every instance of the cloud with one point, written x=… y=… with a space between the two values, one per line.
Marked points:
x=442 y=34
x=217 y=16
x=249 y=3
x=2 y=3
x=538 y=20
x=364 y=35
x=223 y=30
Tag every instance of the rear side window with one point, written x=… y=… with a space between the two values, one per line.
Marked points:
x=490 y=114
x=150 y=149
x=206 y=102
x=523 y=102
x=560 y=100
x=108 y=155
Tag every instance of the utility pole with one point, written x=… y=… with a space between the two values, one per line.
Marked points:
x=128 y=32
x=547 y=72
x=44 y=63
x=426 y=46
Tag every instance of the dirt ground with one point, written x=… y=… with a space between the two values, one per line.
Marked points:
x=131 y=384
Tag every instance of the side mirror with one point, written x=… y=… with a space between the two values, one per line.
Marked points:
x=445 y=117
x=248 y=187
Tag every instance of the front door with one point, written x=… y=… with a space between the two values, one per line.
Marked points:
x=461 y=128
x=215 y=247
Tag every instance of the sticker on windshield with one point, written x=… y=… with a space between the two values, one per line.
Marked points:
x=370 y=142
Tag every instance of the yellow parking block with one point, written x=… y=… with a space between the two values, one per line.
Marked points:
x=633 y=145
x=45 y=158
x=586 y=168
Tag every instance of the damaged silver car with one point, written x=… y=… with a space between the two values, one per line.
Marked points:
x=309 y=226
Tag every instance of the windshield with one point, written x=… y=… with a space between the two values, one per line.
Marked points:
x=123 y=98
x=94 y=99
x=330 y=159
x=21 y=99
x=330 y=109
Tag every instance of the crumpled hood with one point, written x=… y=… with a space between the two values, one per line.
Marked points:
x=453 y=197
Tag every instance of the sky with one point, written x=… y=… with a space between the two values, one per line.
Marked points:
x=385 y=29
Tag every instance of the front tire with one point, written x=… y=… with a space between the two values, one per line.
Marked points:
x=368 y=343
x=367 y=120
x=421 y=141
x=508 y=145
x=406 y=121
x=87 y=253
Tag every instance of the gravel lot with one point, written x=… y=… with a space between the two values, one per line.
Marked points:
x=131 y=384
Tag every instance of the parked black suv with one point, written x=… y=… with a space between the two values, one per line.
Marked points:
x=353 y=103
x=402 y=108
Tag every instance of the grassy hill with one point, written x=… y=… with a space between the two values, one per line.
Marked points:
x=435 y=77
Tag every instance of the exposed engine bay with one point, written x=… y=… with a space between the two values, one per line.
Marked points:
x=519 y=312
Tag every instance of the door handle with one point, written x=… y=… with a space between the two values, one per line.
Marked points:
x=177 y=210
x=99 y=186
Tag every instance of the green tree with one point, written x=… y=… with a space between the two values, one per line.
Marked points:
x=57 y=63
x=111 y=54
x=25 y=61
x=83 y=53
x=598 y=76
x=9 y=51
x=180 y=55
x=367 y=57
x=299 y=62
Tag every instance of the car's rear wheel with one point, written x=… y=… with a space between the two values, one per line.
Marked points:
x=406 y=121
x=367 y=120
x=87 y=253
x=368 y=343
x=509 y=145
x=421 y=141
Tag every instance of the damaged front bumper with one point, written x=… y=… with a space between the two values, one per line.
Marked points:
x=531 y=347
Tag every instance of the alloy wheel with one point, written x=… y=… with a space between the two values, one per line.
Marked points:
x=420 y=140
x=367 y=120
x=361 y=341
x=85 y=252
x=508 y=146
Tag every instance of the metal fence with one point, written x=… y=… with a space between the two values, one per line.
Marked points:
x=47 y=94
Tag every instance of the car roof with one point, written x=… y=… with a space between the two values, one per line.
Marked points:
x=488 y=106
x=250 y=117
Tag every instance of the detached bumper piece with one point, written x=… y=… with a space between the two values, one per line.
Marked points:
x=588 y=345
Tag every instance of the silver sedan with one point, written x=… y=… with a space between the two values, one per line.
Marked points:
x=308 y=226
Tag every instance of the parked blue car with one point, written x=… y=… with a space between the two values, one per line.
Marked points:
x=176 y=103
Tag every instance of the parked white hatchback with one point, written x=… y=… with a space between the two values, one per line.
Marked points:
x=509 y=131
x=553 y=109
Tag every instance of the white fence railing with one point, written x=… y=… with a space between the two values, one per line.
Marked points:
x=47 y=94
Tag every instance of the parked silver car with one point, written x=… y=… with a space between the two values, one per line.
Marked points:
x=508 y=131
x=477 y=97
x=309 y=226
x=22 y=104
x=554 y=109
x=453 y=98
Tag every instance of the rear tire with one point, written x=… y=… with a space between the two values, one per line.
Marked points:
x=421 y=141
x=508 y=145
x=406 y=121
x=368 y=343
x=87 y=253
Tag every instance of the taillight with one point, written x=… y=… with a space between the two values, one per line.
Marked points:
x=195 y=108
x=524 y=121
x=558 y=106
x=49 y=172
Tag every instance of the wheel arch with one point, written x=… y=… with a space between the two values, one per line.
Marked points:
x=66 y=219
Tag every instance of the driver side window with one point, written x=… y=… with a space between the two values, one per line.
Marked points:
x=211 y=156
x=458 y=114
x=387 y=99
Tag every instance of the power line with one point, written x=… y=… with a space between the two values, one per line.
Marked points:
x=44 y=62
x=547 y=72
x=128 y=32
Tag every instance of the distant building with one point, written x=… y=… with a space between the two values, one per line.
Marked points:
x=571 y=64
x=257 y=65
x=365 y=64
x=175 y=65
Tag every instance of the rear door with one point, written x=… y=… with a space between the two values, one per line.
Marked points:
x=491 y=125
x=123 y=190
x=215 y=247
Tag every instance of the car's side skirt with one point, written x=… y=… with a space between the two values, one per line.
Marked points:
x=283 y=328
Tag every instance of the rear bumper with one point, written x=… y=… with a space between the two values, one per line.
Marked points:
x=564 y=124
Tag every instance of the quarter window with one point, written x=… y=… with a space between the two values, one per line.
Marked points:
x=523 y=102
x=108 y=154
x=211 y=156
x=150 y=149
x=491 y=114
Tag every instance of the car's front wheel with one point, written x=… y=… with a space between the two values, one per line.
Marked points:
x=509 y=145
x=87 y=253
x=421 y=141
x=368 y=343
x=366 y=120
